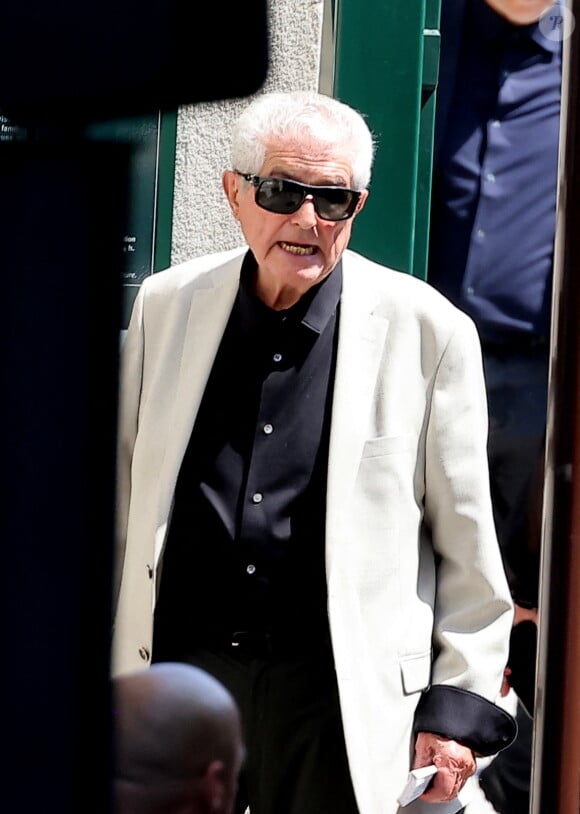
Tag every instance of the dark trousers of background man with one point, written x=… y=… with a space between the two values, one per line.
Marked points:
x=517 y=386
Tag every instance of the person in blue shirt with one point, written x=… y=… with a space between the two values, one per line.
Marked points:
x=491 y=252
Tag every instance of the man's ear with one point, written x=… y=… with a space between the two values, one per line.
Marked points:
x=361 y=201
x=214 y=786
x=231 y=186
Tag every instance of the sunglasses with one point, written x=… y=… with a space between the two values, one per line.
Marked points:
x=284 y=197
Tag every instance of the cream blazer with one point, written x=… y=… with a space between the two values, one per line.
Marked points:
x=416 y=588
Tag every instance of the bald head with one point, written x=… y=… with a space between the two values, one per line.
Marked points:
x=178 y=743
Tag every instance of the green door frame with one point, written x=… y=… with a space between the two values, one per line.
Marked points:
x=385 y=63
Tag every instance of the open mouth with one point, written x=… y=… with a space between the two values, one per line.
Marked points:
x=295 y=248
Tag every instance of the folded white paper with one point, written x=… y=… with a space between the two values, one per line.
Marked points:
x=454 y=806
x=417 y=782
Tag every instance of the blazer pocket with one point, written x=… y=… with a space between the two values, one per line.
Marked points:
x=415 y=672
x=387 y=445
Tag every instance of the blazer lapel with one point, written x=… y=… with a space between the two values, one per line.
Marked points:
x=361 y=342
x=207 y=319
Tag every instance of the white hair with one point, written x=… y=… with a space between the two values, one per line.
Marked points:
x=301 y=116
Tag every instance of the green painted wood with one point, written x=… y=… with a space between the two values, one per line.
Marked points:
x=165 y=189
x=386 y=62
x=146 y=242
x=431 y=50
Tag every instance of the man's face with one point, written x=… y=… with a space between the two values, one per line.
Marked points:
x=293 y=252
x=520 y=12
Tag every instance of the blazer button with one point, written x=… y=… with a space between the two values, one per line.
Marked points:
x=144 y=653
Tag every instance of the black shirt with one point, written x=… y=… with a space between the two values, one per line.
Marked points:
x=245 y=550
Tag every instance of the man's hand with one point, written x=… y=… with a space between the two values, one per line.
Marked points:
x=520 y=12
x=455 y=764
x=524 y=614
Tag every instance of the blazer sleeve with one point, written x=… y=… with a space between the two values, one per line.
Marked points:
x=466 y=717
x=473 y=607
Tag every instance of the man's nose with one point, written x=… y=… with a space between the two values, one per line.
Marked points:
x=305 y=215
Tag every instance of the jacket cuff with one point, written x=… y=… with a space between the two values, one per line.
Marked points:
x=466 y=717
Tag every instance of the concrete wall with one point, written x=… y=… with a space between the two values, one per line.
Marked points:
x=202 y=221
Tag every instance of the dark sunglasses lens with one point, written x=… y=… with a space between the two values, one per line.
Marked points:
x=279 y=196
x=285 y=197
x=335 y=204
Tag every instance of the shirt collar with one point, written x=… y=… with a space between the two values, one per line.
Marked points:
x=490 y=26
x=486 y=25
x=538 y=29
x=313 y=310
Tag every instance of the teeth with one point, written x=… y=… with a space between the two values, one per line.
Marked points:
x=290 y=247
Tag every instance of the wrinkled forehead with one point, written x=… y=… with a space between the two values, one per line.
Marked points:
x=309 y=152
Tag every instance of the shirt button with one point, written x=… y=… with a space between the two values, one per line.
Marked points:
x=480 y=234
x=496 y=123
x=268 y=429
x=250 y=569
x=277 y=357
x=489 y=176
x=471 y=290
x=257 y=497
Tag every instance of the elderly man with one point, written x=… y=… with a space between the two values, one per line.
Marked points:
x=304 y=505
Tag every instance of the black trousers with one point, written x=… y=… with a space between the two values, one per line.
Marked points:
x=517 y=387
x=296 y=758
x=506 y=781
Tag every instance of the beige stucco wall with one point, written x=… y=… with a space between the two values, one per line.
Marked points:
x=202 y=221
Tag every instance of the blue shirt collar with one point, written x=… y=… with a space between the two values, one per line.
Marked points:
x=491 y=26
